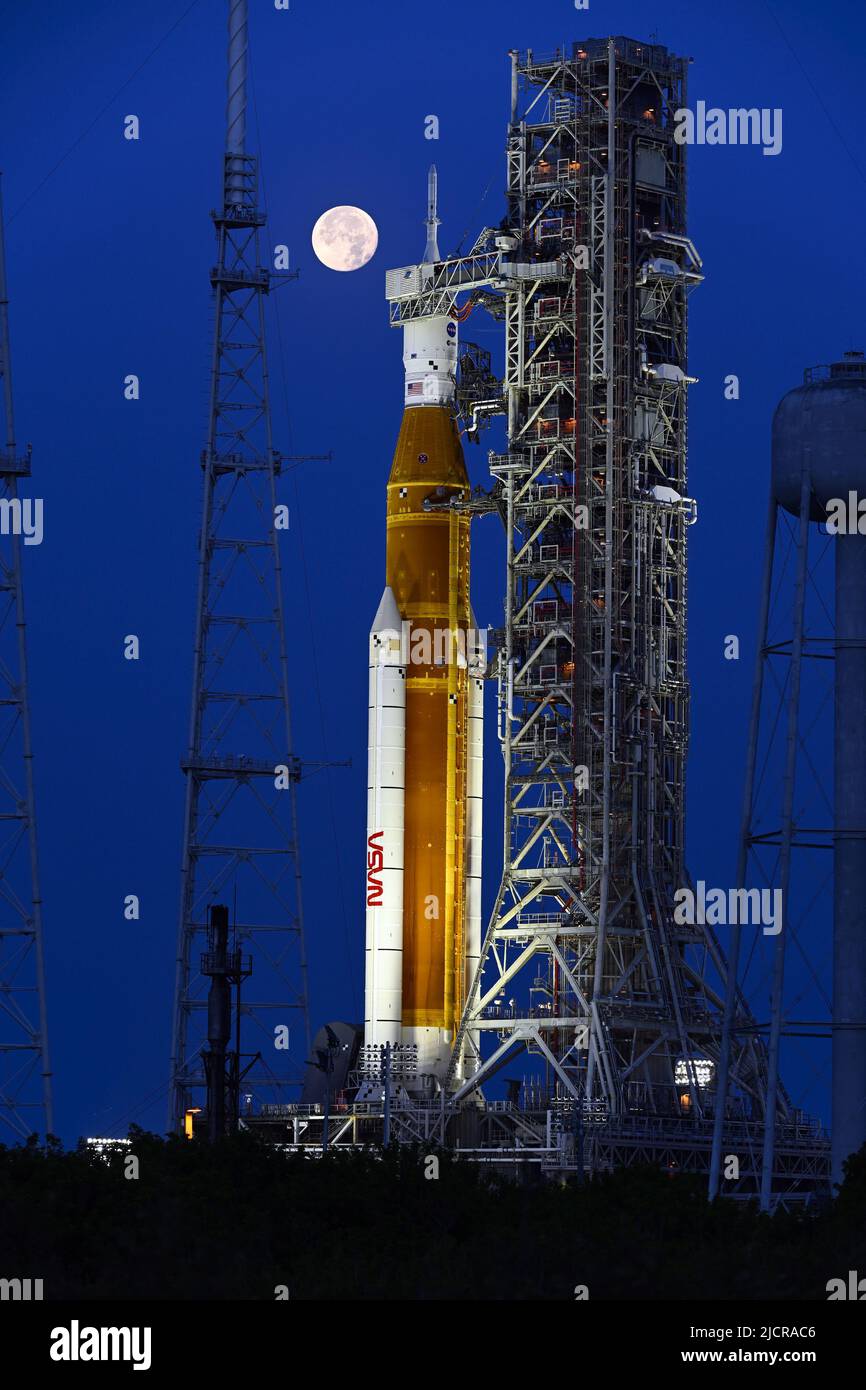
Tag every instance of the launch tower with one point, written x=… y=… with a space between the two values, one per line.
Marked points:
x=585 y=966
x=593 y=689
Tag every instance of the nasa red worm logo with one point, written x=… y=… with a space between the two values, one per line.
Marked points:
x=375 y=863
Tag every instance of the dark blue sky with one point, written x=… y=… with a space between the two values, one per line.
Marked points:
x=109 y=244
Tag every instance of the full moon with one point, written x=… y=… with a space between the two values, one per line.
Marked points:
x=345 y=238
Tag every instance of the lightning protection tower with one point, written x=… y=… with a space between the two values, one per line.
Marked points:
x=240 y=832
x=25 y=1073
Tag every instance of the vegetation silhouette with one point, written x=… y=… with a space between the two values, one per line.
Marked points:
x=240 y=1219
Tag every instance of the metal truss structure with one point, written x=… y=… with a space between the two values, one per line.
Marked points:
x=25 y=1071
x=240 y=833
x=548 y=1135
x=585 y=965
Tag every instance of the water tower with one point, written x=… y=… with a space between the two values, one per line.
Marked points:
x=818 y=479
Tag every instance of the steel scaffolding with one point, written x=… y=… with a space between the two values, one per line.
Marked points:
x=584 y=964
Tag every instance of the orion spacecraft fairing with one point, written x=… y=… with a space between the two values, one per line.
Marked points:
x=424 y=805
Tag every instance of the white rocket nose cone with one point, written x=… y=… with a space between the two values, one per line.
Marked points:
x=476 y=649
x=387 y=614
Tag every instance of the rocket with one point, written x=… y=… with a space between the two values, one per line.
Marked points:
x=425 y=743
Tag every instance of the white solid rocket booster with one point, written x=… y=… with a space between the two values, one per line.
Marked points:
x=386 y=756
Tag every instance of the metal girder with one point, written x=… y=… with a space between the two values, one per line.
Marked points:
x=593 y=696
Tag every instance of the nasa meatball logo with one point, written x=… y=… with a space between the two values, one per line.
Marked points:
x=452 y=329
